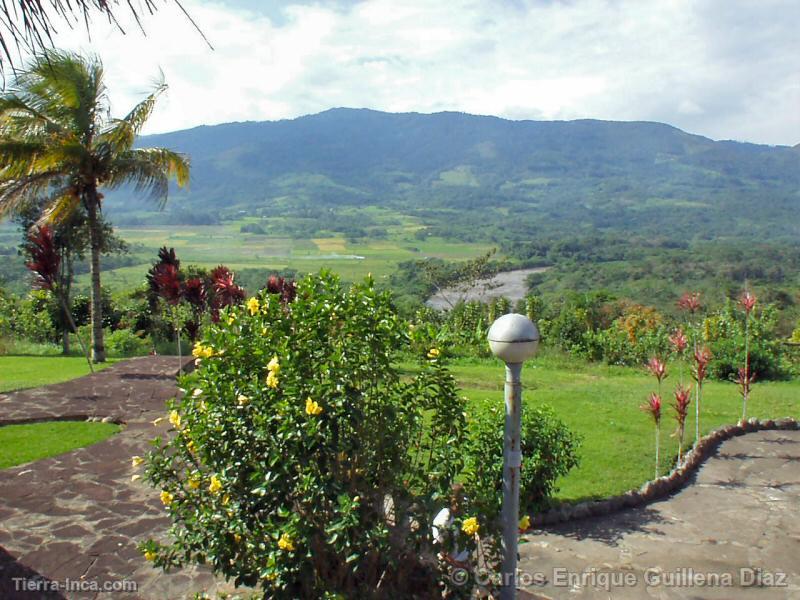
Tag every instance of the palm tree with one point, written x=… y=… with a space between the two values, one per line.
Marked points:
x=57 y=139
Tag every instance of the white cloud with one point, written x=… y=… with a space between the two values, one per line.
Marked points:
x=721 y=68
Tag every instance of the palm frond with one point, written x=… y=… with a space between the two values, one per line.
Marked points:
x=15 y=193
x=149 y=171
x=121 y=133
x=29 y=24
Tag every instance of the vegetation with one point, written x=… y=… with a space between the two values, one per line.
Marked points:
x=301 y=462
x=20 y=444
x=18 y=371
x=57 y=139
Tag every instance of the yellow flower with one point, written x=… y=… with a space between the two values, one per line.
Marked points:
x=215 y=485
x=190 y=446
x=525 y=523
x=274 y=366
x=253 y=305
x=313 y=408
x=201 y=351
x=175 y=419
x=286 y=543
x=433 y=353
x=194 y=481
x=243 y=400
x=149 y=555
x=470 y=526
x=231 y=318
x=272 y=380
x=237 y=538
x=166 y=498
x=225 y=499
x=136 y=461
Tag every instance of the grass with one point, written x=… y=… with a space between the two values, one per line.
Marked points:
x=20 y=444
x=20 y=371
x=601 y=403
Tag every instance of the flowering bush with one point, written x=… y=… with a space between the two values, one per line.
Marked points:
x=300 y=461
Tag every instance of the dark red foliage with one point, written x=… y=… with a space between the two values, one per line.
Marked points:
x=168 y=283
x=286 y=288
x=226 y=292
x=194 y=292
x=44 y=258
x=690 y=302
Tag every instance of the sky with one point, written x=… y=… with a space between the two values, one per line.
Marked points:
x=726 y=69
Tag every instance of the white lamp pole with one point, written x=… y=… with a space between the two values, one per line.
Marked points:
x=513 y=339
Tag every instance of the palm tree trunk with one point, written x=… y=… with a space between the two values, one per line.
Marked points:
x=95 y=242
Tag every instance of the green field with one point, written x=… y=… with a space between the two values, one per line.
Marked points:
x=18 y=372
x=601 y=403
x=209 y=246
x=20 y=444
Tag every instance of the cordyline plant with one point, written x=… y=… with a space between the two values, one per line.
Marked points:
x=702 y=356
x=683 y=396
x=653 y=407
x=301 y=462
x=658 y=368
x=679 y=343
x=747 y=302
x=45 y=264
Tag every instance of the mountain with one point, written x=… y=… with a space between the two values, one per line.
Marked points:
x=485 y=176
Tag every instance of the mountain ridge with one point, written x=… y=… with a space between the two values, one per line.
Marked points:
x=605 y=175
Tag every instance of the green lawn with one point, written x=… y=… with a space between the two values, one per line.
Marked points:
x=17 y=372
x=601 y=403
x=20 y=444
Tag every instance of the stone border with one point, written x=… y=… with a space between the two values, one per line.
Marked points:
x=663 y=486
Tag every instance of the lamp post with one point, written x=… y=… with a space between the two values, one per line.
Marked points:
x=513 y=339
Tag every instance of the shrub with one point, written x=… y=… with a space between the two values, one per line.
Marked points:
x=124 y=342
x=724 y=332
x=549 y=450
x=300 y=461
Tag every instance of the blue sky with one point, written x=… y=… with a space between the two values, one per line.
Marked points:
x=727 y=69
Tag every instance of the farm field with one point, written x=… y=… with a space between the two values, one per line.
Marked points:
x=211 y=245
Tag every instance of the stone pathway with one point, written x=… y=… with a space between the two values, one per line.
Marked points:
x=78 y=516
x=732 y=533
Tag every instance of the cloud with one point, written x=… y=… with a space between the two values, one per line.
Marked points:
x=721 y=68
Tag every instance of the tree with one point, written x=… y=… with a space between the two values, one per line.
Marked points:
x=57 y=139
x=71 y=241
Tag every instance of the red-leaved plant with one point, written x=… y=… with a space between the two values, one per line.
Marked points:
x=45 y=263
x=658 y=368
x=653 y=407
x=679 y=343
x=702 y=356
x=747 y=302
x=683 y=396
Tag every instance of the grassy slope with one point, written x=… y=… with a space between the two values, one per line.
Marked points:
x=25 y=443
x=17 y=372
x=602 y=404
